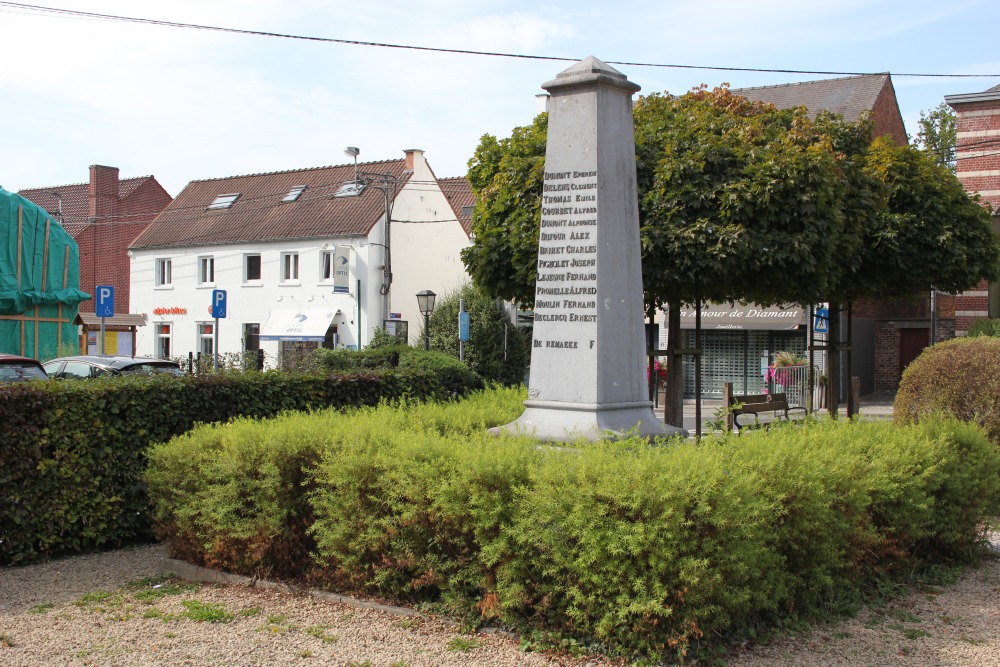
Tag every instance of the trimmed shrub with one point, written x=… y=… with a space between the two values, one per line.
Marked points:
x=959 y=377
x=74 y=452
x=643 y=549
x=457 y=378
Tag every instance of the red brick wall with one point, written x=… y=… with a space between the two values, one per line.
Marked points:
x=885 y=114
x=887 y=371
x=114 y=223
x=982 y=118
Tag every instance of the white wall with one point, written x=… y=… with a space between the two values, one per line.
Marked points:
x=247 y=302
x=425 y=255
x=425 y=238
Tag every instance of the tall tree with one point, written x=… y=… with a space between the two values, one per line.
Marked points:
x=931 y=232
x=742 y=201
x=938 y=134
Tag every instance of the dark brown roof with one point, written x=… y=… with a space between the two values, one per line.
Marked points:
x=120 y=320
x=849 y=97
x=259 y=214
x=75 y=200
x=459 y=194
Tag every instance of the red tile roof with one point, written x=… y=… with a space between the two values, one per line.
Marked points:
x=259 y=214
x=459 y=194
x=75 y=200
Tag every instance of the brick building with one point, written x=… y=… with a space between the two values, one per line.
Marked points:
x=978 y=168
x=103 y=216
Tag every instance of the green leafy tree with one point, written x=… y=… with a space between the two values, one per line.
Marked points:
x=737 y=200
x=496 y=350
x=506 y=176
x=930 y=233
x=938 y=134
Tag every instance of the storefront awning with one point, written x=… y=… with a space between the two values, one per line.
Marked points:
x=745 y=316
x=297 y=325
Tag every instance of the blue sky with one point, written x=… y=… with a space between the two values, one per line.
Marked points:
x=186 y=104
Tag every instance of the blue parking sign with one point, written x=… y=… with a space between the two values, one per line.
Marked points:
x=105 y=301
x=218 y=303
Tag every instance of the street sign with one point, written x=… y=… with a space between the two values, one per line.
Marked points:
x=218 y=303
x=463 y=326
x=105 y=301
x=822 y=322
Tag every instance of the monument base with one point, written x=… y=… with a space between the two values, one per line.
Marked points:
x=560 y=421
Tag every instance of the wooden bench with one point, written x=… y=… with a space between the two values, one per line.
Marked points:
x=760 y=410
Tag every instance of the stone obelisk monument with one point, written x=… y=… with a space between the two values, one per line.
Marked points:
x=588 y=364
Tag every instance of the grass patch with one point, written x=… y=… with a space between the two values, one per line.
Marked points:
x=151 y=589
x=462 y=644
x=43 y=608
x=205 y=612
x=915 y=633
x=319 y=632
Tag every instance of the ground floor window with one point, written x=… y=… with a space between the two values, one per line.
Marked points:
x=251 y=336
x=162 y=343
x=206 y=338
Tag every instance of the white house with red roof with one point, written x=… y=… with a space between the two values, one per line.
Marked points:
x=307 y=258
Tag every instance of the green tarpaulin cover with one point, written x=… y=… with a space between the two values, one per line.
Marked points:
x=39 y=280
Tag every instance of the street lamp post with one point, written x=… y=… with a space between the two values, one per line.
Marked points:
x=425 y=302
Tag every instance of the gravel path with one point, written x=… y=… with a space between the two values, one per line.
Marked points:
x=82 y=611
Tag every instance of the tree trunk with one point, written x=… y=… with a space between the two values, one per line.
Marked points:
x=673 y=406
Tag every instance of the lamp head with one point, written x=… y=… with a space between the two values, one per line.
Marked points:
x=425 y=302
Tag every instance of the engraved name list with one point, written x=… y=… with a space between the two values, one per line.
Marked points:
x=566 y=290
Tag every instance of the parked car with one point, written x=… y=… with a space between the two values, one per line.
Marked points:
x=96 y=365
x=18 y=369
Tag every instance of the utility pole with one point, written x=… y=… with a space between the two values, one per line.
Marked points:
x=387 y=183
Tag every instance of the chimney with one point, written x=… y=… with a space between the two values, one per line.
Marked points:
x=541 y=103
x=103 y=190
x=410 y=154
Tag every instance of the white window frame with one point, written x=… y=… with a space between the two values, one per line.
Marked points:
x=247 y=280
x=206 y=270
x=290 y=268
x=223 y=201
x=326 y=268
x=160 y=336
x=206 y=341
x=162 y=272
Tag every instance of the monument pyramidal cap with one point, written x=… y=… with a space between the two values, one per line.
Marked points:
x=588 y=367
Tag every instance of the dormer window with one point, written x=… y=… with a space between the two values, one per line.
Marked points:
x=224 y=201
x=467 y=210
x=350 y=189
x=294 y=194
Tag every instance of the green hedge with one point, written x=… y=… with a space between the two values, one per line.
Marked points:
x=456 y=376
x=641 y=549
x=73 y=453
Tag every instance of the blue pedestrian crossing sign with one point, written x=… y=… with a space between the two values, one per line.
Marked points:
x=822 y=322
